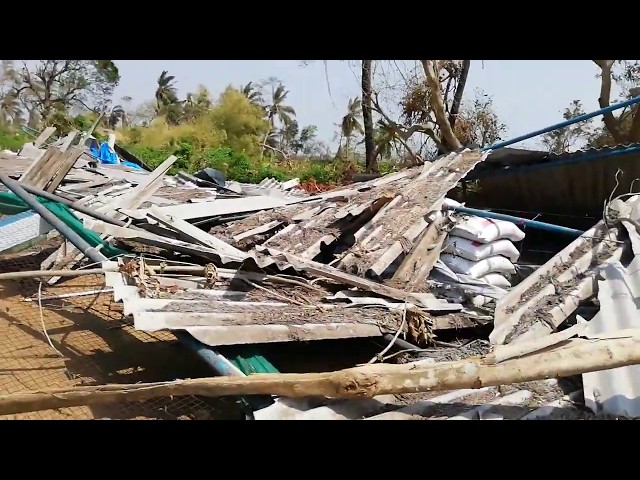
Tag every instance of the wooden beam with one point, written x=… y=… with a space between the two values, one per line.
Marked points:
x=570 y=358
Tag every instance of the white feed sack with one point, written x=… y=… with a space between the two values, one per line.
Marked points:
x=496 y=280
x=485 y=230
x=496 y=264
x=476 y=251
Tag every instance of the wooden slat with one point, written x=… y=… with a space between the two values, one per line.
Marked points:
x=44 y=136
x=70 y=158
x=32 y=171
x=48 y=170
x=192 y=233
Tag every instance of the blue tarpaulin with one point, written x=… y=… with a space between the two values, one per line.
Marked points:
x=107 y=155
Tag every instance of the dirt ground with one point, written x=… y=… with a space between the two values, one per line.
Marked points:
x=98 y=346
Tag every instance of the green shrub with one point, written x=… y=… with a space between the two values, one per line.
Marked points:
x=11 y=139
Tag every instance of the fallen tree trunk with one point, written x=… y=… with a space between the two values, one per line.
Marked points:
x=572 y=357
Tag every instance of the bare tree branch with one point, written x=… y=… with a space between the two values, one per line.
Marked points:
x=612 y=124
x=437 y=104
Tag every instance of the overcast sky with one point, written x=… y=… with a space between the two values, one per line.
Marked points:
x=528 y=94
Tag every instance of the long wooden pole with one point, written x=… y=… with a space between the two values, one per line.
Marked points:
x=568 y=358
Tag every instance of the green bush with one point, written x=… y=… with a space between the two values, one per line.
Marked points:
x=238 y=166
x=11 y=139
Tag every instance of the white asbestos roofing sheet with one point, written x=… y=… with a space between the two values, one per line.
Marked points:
x=616 y=391
x=207 y=320
x=218 y=207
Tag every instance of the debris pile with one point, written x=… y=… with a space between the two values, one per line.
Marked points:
x=390 y=258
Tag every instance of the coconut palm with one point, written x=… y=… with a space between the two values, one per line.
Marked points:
x=277 y=108
x=306 y=139
x=350 y=124
x=253 y=93
x=289 y=136
x=166 y=93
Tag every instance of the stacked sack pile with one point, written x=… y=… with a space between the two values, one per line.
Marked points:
x=483 y=249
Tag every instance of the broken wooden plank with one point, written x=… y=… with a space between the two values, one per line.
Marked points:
x=70 y=157
x=44 y=136
x=36 y=166
x=42 y=177
x=416 y=267
x=68 y=140
x=193 y=234
x=144 y=190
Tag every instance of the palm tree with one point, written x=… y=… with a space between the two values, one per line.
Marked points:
x=307 y=136
x=166 y=93
x=289 y=136
x=253 y=93
x=351 y=123
x=278 y=108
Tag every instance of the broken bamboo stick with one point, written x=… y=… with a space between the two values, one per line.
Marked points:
x=570 y=358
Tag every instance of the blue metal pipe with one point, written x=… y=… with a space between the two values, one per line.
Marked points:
x=216 y=361
x=549 y=227
x=566 y=123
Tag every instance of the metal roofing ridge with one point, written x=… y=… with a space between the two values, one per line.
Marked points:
x=592 y=150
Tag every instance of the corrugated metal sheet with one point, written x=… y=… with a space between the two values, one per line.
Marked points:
x=469 y=404
x=224 y=316
x=380 y=221
x=616 y=391
x=572 y=184
x=539 y=304
x=506 y=161
x=387 y=212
